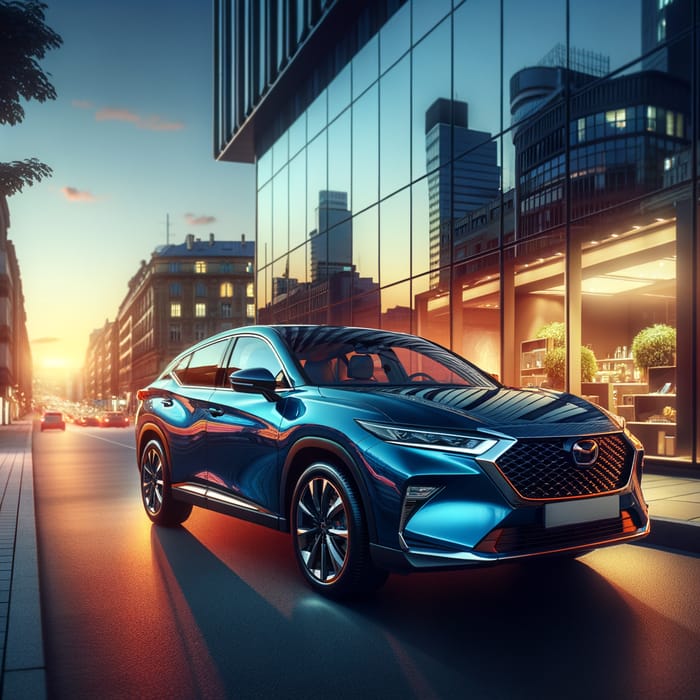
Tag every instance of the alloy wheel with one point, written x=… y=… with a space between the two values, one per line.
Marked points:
x=152 y=481
x=322 y=530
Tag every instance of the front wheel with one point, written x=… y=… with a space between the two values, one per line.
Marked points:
x=156 y=495
x=330 y=534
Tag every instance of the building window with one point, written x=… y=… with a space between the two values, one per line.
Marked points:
x=200 y=267
x=249 y=268
x=174 y=267
x=226 y=267
x=226 y=309
x=200 y=309
x=200 y=289
x=199 y=332
x=175 y=333
x=175 y=309
x=249 y=290
x=175 y=289
x=226 y=290
x=250 y=310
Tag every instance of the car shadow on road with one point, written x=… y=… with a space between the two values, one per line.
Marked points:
x=545 y=630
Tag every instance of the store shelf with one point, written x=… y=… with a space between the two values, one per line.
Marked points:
x=532 y=354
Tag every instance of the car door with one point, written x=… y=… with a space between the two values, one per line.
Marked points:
x=243 y=433
x=185 y=410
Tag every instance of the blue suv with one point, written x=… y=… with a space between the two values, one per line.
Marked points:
x=382 y=451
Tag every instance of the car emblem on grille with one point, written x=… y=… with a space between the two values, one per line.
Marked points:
x=585 y=453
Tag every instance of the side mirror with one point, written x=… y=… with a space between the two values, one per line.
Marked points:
x=256 y=380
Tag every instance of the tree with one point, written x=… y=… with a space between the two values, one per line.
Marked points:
x=24 y=40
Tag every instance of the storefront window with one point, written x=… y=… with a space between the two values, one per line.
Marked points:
x=420 y=228
x=394 y=241
x=396 y=307
x=627 y=298
x=476 y=313
x=477 y=77
x=394 y=128
x=365 y=150
x=534 y=311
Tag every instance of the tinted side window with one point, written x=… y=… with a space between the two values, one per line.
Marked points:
x=201 y=368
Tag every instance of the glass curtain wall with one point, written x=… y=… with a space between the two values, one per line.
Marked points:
x=514 y=180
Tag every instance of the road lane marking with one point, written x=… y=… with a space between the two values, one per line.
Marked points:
x=114 y=442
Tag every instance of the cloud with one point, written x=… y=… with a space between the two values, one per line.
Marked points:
x=152 y=122
x=82 y=104
x=46 y=340
x=156 y=123
x=201 y=220
x=110 y=114
x=73 y=194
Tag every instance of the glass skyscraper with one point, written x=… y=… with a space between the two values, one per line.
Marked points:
x=515 y=179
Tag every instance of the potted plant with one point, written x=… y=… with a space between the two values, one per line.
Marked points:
x=554 y=360
x=654 y=346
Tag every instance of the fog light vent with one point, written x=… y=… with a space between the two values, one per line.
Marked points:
x=415 y=497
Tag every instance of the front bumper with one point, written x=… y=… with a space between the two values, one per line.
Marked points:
x=480 y=518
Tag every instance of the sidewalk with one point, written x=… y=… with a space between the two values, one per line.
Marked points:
x=674 y=504
x=23 y=667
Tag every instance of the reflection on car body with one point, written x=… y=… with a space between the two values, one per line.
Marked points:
x=381 y=451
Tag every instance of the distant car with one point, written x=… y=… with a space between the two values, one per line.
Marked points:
x=88 y=420
x=114 y=419
x=52 y=420
x=381 y=451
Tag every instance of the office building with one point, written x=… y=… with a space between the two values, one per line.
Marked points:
x=520 y=179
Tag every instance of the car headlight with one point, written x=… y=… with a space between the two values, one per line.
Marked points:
x=465 y=443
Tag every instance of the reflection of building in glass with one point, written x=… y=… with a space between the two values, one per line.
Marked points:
x=663 y=20
x=328 y=297
x=620 y=138
x=331 y=241
x=471 y=183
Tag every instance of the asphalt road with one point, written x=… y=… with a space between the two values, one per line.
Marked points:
x=217 y=609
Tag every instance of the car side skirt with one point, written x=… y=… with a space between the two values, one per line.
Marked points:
x=213 y=499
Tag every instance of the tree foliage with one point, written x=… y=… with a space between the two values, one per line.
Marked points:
x=24 y=41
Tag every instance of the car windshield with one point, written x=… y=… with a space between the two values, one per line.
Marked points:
x=338 y=355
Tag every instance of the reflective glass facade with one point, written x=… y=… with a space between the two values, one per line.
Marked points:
x=515 y=179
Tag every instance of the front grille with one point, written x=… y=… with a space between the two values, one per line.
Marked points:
x=543 y=469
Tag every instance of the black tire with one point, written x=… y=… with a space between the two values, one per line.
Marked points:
x=329 y=531
x=156 y=496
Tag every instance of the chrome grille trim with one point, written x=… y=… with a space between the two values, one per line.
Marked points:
x=542 y=469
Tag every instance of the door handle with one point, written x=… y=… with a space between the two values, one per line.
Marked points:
x=216 y=412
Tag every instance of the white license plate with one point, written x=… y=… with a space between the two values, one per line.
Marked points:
x=583 y=510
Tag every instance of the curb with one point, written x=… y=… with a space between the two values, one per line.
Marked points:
x=674 y=534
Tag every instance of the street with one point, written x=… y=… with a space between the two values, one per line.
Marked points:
x=218 y=609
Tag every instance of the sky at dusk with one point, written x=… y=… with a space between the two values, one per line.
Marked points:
x=130 y=142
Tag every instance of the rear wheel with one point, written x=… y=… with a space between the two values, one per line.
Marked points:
x=330 y=534
x=156 y=495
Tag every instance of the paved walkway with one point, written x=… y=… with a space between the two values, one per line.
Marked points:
x=23 y=667
x=674 y=505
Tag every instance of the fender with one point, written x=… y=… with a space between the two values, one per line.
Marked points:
x=155 y=428
x=345 y=458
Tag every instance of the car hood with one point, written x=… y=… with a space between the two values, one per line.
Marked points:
x=516 y=412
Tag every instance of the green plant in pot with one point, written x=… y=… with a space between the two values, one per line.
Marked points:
x=654 y=346
x=554 y=361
